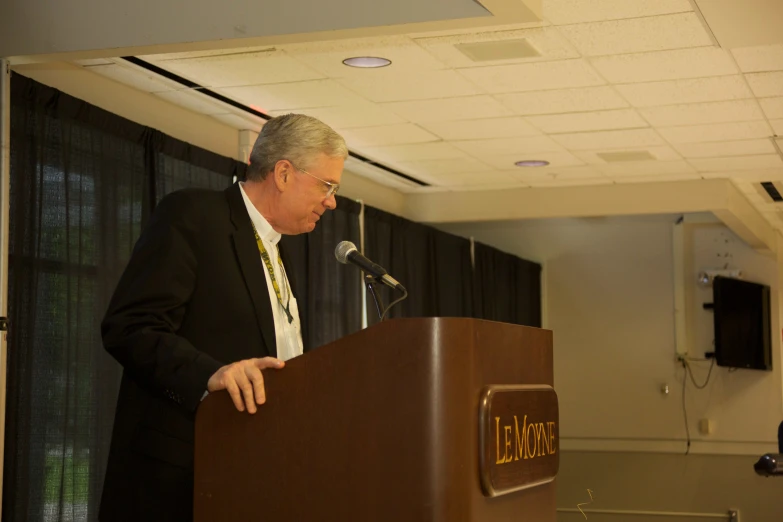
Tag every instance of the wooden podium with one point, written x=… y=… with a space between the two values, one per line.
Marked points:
x=391 y=424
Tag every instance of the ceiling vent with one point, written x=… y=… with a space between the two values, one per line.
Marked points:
x=498 y=50
x=627 y=155
x=771 y=191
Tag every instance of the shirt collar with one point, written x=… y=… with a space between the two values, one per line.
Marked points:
x=264 y=229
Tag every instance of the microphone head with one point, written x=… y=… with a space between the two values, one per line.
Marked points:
x=343 y=249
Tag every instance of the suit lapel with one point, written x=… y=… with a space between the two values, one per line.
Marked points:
x=252 y=268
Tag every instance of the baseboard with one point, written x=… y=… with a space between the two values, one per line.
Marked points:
x=698 y=447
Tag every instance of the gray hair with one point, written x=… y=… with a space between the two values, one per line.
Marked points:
x=296 y=138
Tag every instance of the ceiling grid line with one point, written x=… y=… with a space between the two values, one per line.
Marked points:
x=635 y=109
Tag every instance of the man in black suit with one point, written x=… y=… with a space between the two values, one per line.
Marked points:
x=205 y=305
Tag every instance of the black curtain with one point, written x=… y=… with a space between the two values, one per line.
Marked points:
x=506 y=288
x=329 y=292
x=444 y=280
x=82 y=182
x=174 y=165
x=434 y=266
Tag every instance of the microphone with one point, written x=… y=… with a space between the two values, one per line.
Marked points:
x=346 y=252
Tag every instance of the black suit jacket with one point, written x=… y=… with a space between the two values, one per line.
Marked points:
x=192 y=299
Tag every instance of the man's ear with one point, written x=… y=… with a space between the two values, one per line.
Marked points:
x=282 y=175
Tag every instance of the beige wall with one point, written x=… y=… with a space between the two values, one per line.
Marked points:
x=609 y=299
x=709 y=484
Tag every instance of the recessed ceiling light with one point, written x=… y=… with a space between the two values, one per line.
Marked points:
x=531 y=163
x=367 y=62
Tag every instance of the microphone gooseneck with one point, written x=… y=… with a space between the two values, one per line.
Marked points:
x=346 y=252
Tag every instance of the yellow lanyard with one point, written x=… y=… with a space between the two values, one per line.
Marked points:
x=270 y=269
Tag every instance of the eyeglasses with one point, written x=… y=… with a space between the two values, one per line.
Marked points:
x=331 y=188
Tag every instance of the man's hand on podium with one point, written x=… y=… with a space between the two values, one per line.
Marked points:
x=244 y=381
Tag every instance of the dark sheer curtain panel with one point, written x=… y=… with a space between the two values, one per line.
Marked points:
x=506 y=288
x=434 y=266
x=177 y=165
x=82 y=181
x=329 y=292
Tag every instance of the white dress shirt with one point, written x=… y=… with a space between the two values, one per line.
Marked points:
x=288 y=335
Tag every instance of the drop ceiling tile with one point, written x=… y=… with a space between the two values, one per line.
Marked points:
x=747 y=188
x=327 y=56
x=774 y=217
x=482 y=148
x=609 y=139
x=561 y=74
x=557 y=160
x=416 y=152
x=766 y=161
x=549 y=174
x=453 y=186
x=484 y=180
x=588 y=121
x=94 y=61
x=527 y=176
x=562 y=12
x=481 y=129
x=659 y=153
x=547 y=41
x=195 y=101
x=583 y=171
x=769 y=175
x=239 y=122
x=557 y=181
x=725 y=148
x=388 y=86
x=233 y=70
x=646 y=168
x=777 y=126
x=760 y=58
x=563 y=101
x=766 y=84
x=703 y=113
x=659 y=178
x=756 y=198
x=489 y=187
x=386 y=135
x=136 y=77
x=716 y=132
x=752 y=176
x=637 y=35
x=293 y=96
x=700 y=90
x=360 y=114
x=162 y=57
x=773 y=107
x=449 y=109
x=678 y=64
x=440 y=167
